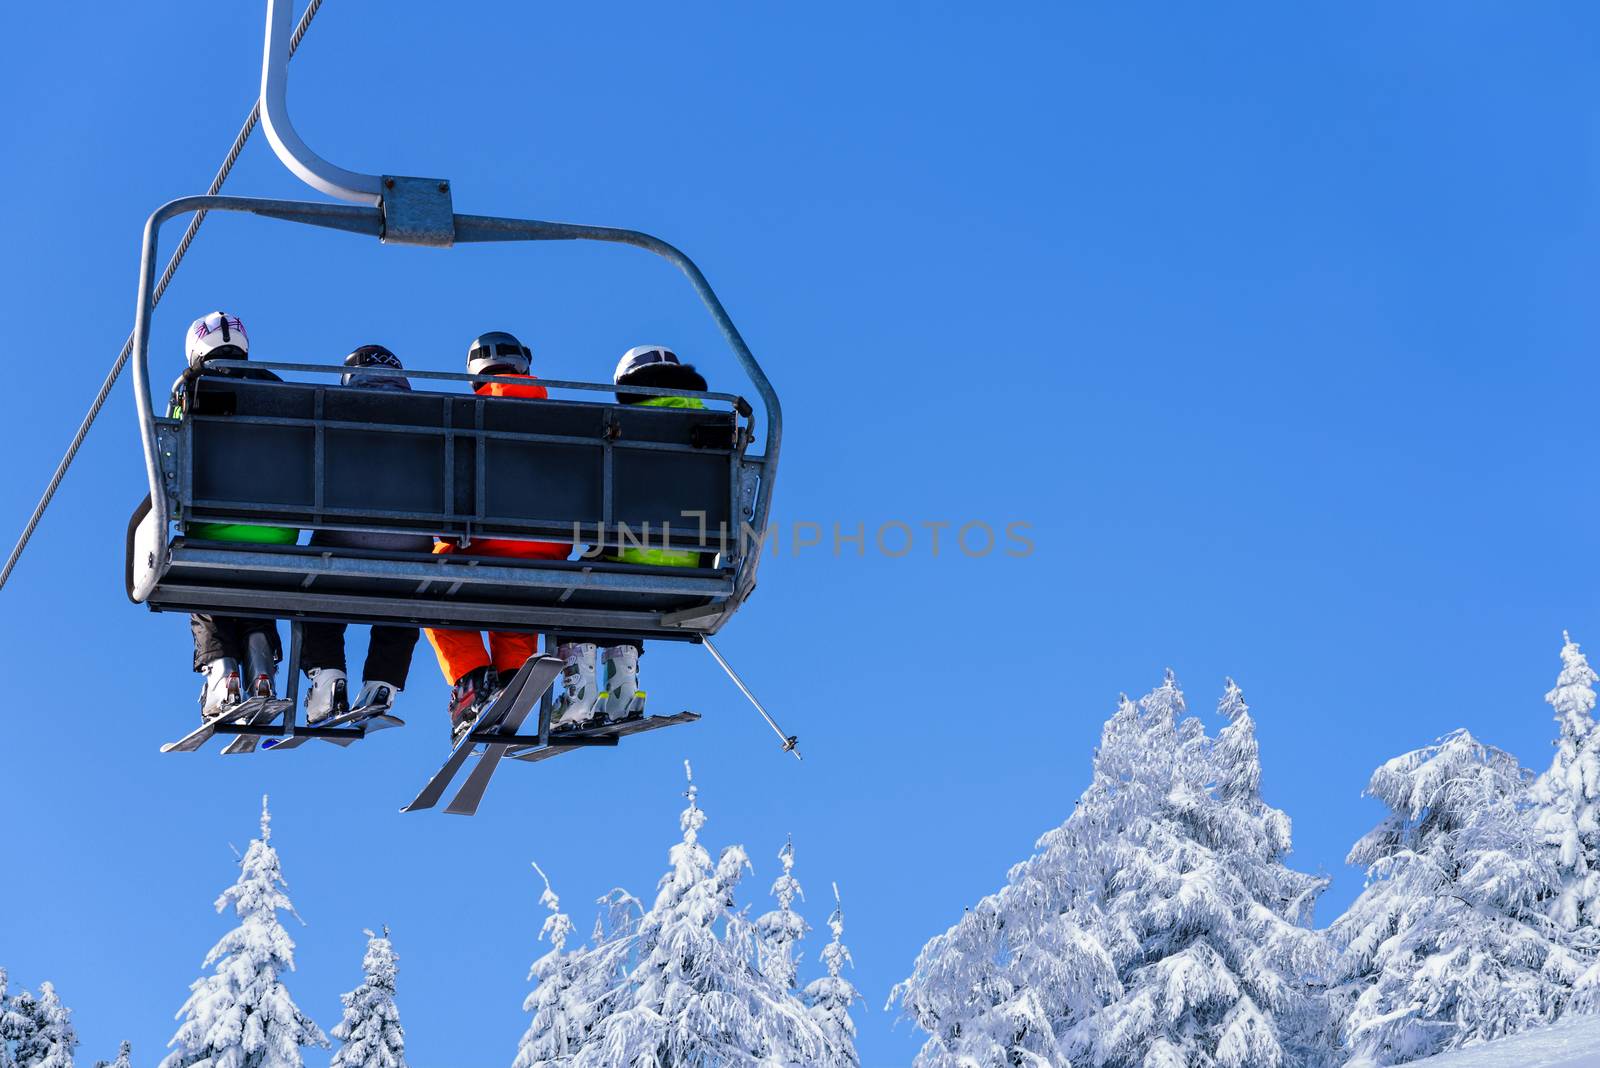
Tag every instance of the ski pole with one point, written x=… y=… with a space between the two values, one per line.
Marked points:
x=789 y=740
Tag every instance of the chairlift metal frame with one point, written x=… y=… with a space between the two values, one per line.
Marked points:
x=417 y=211
x=168 y=571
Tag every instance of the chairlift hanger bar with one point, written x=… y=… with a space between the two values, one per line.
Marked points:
x=739 y=403
x=305 y=164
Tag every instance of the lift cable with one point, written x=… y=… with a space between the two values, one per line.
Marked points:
x=166 y=278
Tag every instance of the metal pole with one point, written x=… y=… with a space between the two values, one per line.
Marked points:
x=295 y=154
x=789 y=740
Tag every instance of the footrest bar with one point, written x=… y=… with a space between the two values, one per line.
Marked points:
x=525 y=740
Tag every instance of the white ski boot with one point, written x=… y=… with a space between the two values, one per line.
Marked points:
x=222 y=689
x=372 y=705
x=327 y=695
x=580 y=691
x=622 y=699
x=263 y=666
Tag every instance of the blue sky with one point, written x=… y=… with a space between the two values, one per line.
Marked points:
x=1275 y=323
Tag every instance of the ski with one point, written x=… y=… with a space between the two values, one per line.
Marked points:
x=270 y=708
x=545 y=668
x=202 y=734
x=470 y=796
x=606 y=735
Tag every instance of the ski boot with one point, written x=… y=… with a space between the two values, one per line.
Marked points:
x=327 y=695
x=472 y=694
x=263 y=666
x=579 y=689
x=622 y=699
x=372 y=704
x=222 y=689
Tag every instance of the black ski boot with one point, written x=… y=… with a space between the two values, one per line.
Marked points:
x=469 y=697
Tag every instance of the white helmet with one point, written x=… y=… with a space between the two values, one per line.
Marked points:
x=217 y=335
x=641 y=356
x=498 y=353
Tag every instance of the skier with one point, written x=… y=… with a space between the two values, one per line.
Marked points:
x=582 y=701
x=475 y=673
x=388 y=662
x=223 y=643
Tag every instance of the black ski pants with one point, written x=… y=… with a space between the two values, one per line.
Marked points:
x=388 y=651
x=216 y=637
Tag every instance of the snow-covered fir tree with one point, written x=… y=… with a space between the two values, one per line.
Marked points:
x=830 y=997
x=1157 y=927
x=1450 y=942
x=370 y=1030
x=124 y=1057
x=563 y=1004
x=35 y=1031
x=1567 y=796
x=779 y=931
x=694 y=997
x=241 y=1015
x=10 y=1022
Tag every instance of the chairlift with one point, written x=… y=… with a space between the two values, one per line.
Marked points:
x=576 y=468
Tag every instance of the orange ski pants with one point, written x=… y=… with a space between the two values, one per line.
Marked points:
x=462 y=651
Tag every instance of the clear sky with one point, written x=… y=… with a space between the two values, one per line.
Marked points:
x=1275 y=322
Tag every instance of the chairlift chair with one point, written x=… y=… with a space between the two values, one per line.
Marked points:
x=578 y=467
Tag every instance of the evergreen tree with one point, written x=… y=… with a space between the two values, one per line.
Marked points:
x=241 y=1015
x=778 y=931
x=11 y=1023
x=1157 y=927
x=561 y=1014
x=124 y=1057
x=35 y=1032
x=52 y=1041
x=1449 y=943
x=370 y=1029
x=831 y=997
x=692 y=998
x=1567 y=796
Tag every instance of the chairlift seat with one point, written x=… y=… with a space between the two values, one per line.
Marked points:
x=459 y=466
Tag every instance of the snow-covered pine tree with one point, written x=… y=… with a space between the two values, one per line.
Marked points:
x=1449 y=943
x=1157 y=927
x=370 y=1028
x=1567 y=796
x=778 y=931
x=693 y=998
x=124 y=1057
x=241 y=1015
x=1208 y=928
x=38 y=1030
x=563 y=1009
x=830 y=997
x=10 y=1021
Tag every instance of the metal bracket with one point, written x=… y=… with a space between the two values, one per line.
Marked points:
x=418 y=211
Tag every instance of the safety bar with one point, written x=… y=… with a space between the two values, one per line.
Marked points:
x=739 y=404
x=468 y=228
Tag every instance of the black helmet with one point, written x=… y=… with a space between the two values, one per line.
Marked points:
x=373 y=356
x=498 y=353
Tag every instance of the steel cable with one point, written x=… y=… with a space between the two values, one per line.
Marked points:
x=161 y=286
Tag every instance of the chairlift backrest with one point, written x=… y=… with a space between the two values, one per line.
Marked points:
x=459 y=466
